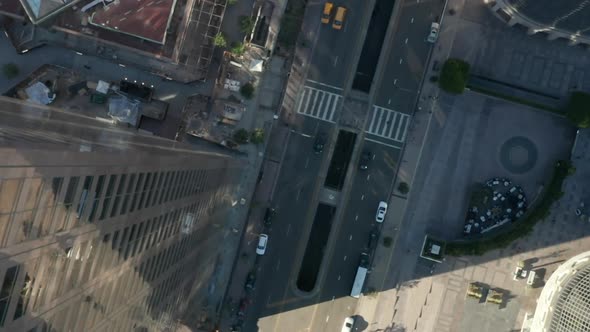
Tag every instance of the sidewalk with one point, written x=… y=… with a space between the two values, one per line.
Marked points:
x=380 y=311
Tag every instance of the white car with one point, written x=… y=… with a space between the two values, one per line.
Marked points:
x=381 y=211
x=348 y=323
x=262 y=241
x=433 y=35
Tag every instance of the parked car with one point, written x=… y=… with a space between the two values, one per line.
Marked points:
x=262 y=241
x=373 y=236
x=318 y=144
x=250 y=280
x=381 y=211
x=327 y=13
x=348 y=324
x=365 y=259
x=339 y=19
x=433 y=35
x=268 y=215
x=366 y=157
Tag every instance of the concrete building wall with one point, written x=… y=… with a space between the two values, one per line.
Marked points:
x=102 y=229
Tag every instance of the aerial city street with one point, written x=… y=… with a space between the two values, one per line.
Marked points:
x=295 y=165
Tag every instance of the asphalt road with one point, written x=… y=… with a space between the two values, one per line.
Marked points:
x=277 y=305
x=334 y=50
x=293 y=201
x=369 y=187
x=405 y=64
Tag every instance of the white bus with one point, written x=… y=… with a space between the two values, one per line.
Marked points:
x=359 y=281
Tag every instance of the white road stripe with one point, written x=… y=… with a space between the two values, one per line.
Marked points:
x=324 y=84
x=388 y=124
x=318 y=103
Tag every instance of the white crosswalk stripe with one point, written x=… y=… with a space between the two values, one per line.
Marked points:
x=318 y=104
x=388 y=123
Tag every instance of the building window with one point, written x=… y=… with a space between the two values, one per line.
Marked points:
x=6 y=291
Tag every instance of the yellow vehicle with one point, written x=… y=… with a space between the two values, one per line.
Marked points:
x=328 y=6
x=339 y=19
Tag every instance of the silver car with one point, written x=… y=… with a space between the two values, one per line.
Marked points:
x=433 y=36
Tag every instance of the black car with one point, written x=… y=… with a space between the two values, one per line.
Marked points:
x=250 y=280
x=372 y=239
x=318 y=144
x=366 y=157
x=270 y=212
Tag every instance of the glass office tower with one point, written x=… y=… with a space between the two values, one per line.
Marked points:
x=103 y=228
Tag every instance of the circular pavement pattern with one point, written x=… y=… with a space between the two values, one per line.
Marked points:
x=518 y=155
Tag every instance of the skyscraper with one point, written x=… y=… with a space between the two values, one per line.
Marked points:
x=103 y=229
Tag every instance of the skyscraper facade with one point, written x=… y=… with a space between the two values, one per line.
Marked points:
x=103 y=228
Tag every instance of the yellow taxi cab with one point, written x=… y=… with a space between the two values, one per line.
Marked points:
x=339 y=19
x=328 y=6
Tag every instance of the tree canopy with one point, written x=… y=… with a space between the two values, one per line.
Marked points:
x=578 y=109
x=454 y=75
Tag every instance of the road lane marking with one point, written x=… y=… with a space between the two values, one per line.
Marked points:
x=379 y=142
x=338 y=277
x=406 y=40
x=344 y=257
x=362 y=197
x=288 y=228
x=350 y=238
x=368 y=177
x=318 y=103
x=335 y=61
x=388 y=123
x=356 y=218
x=298 y=194
x=389 y=101
x=307 y=162
x=412 y=20
x=394 y=83
x=400 y=61
x=324 y=84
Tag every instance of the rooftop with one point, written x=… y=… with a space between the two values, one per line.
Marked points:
x=145 y=19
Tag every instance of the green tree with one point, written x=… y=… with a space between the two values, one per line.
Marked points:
x=403 y=188
x=578 y=109
x=232 y=2
x=10 y=70
x=219 y=40
x=238 y=48
x=246 y=24
x=257 y=136
x=454 y=75
x=247 y=90
x=241 y=136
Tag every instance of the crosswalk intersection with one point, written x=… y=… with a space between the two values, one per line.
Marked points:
x=319 y=104
x=388 y=123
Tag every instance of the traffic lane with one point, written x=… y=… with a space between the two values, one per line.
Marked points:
x=368 y=188
x=335 y=50
x=292 y=202
x=409 y=50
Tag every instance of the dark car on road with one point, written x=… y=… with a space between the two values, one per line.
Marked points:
x=250 y=280
x=366 y=157
x=318 y=144
x=268 y=215
x=372 y=239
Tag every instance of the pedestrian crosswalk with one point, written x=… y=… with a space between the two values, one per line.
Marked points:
x=319 y=104
x=388 y=123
